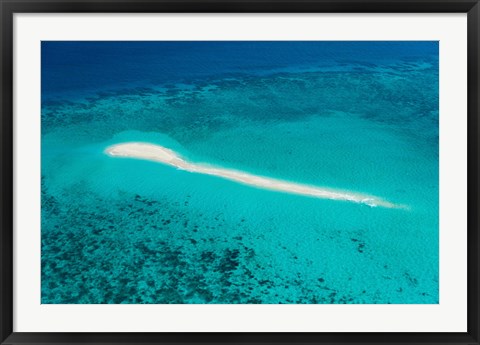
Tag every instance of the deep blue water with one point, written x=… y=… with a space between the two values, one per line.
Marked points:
x=75 y=67
x=355 y=116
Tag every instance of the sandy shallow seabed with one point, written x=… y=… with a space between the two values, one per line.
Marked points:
x=166 y=156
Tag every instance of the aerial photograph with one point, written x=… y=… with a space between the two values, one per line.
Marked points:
x=239 y=172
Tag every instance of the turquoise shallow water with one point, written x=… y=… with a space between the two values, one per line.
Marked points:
x=119 y=230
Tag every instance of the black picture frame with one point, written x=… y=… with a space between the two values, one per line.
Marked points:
x=9 y=7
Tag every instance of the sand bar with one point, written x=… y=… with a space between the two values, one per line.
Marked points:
x=164 y=155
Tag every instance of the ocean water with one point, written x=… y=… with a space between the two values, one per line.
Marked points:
x=354 y=116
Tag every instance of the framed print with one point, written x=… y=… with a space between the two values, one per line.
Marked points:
x=239 y=172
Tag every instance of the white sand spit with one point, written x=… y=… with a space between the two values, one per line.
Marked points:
x=163 y=155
